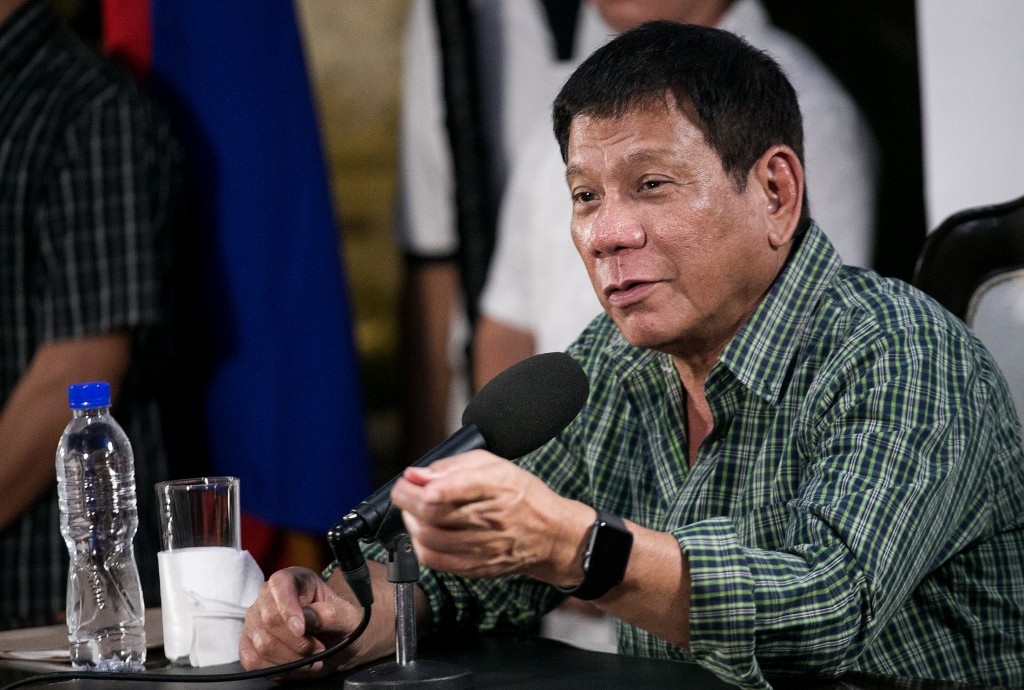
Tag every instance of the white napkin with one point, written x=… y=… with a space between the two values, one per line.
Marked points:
x=204 y=594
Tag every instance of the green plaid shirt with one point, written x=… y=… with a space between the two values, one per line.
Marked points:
x=858 y=505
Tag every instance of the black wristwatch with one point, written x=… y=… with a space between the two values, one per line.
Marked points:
x=604 y=562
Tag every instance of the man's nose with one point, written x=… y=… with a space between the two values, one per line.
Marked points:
x=615 y=226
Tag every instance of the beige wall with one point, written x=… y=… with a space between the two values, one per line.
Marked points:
x=354 y=51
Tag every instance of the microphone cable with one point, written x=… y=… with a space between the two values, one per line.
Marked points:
x=150 y=677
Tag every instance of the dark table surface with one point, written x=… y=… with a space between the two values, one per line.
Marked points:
x=500 y=662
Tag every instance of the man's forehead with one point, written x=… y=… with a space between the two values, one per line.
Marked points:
x=641 y=135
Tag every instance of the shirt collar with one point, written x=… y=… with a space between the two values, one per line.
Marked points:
x=761 y=352
x=23 y=33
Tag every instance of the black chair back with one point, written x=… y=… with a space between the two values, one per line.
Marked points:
x=968 y=248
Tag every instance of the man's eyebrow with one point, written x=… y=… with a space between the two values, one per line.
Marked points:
x=650 y=155
x=633 y=158
x=572 y=170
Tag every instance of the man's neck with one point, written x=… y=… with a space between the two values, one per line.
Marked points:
x=698 y=413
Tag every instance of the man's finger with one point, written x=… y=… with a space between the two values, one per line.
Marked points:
x=264 y=648
x=286 y=591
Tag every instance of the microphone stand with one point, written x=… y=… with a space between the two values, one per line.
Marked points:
x=406 y=671
x=498 y=412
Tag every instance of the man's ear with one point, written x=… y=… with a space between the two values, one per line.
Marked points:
x=780 y=177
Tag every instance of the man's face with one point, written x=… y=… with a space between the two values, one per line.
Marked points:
x=677 y=255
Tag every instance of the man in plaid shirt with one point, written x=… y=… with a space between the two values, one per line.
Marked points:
x=820 y=469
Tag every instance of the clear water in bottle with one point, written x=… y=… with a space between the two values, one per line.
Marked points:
x=99 y=518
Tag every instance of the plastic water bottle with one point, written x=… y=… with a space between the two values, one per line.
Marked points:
x=99 y=518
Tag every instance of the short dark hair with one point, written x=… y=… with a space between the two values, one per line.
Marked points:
x=743 y=102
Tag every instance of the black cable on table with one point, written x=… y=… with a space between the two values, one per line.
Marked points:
x=199 y=677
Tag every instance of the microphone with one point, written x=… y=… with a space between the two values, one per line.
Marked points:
x=518 y=411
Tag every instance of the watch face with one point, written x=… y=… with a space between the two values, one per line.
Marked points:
x=608 y=552
x=604 y=561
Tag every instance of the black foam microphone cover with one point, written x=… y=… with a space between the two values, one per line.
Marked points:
x=525 y=406
x=518 y=411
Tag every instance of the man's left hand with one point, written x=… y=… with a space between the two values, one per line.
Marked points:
x=478 y=515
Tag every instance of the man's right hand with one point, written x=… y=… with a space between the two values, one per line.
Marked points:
x=297 y=614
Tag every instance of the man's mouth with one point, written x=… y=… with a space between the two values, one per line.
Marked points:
x=628 y=293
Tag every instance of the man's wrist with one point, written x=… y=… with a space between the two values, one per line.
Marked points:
x=569 y=536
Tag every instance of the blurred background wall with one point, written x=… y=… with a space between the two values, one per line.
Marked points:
x=354 y=55
x=972 y=97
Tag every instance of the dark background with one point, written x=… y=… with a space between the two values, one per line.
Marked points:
x=871 y=46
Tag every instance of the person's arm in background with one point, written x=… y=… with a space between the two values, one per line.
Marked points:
x=102 y=218
x=504 y=333
x=36 y=412
x=426 y=232
x=497 y=346
x=430 y=294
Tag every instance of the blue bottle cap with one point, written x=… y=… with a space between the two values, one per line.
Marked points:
x=83 y=395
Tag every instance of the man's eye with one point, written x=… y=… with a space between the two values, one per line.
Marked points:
x=651 y=184
x=583 y=196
